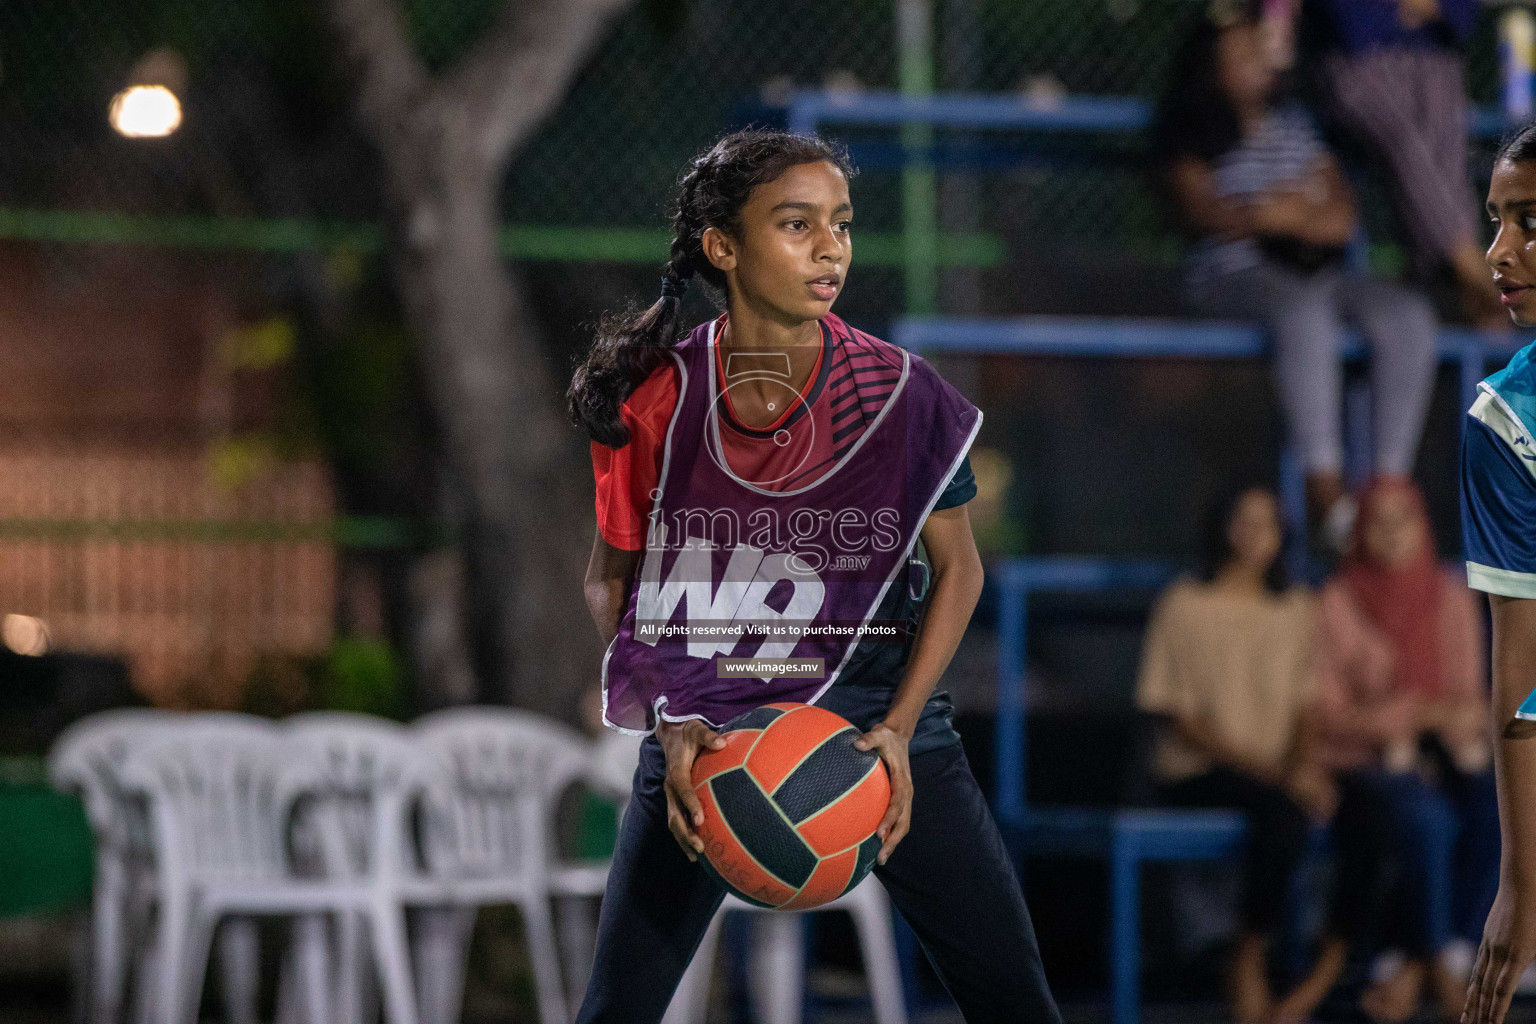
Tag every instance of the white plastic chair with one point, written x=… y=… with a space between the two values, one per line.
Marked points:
x=490 y=839
x=778 y=960
x=370 y=772
x=87 y=759
x=220 y=791
x=576 y=886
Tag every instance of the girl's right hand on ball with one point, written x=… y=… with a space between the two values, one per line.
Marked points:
x=681 y=742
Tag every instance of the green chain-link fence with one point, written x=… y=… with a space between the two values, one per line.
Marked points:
x=266 y=160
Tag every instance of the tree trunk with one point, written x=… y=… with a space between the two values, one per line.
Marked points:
x=511 y=452
x=513 y=458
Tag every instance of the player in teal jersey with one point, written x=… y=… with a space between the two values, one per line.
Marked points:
x=1498 y=478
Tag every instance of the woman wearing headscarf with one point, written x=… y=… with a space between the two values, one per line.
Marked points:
x=1401 y=694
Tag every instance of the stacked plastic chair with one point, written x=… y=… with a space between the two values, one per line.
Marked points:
x=489 y=837
x=576 y=886
x=220 y=792
x=213 y=820
x=87 y=759
x=355 y=827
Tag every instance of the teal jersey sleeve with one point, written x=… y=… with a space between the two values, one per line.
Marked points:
x=961 y=487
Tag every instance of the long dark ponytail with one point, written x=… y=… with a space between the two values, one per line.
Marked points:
x=717 y=184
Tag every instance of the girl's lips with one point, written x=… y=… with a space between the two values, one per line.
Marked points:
x=1510 y=295
x=824 y=292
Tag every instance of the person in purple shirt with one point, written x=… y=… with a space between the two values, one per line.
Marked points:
x=764 y=219
x=1391 y=75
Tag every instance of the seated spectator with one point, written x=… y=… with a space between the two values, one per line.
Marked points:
x=1391 y=75
x=1227 y=668
x=1271 y=215
x=1401 y=694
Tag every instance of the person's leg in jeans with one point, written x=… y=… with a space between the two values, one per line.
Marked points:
x=1474 y=880
x=1424 y=825
x=1477 y=851
x=1277 y=839
x=1302 y=314
x=655 y=910
x=1362 y=833
x=1363 y=836
x=1400 y=323
x=953 y=881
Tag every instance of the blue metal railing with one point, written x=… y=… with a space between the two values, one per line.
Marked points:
x=1112 y=337
x=809 y=109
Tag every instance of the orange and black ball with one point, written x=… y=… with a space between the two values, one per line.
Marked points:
x=790 y=806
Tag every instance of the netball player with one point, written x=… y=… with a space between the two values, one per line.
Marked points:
x=775 y=465
x=1498 y=478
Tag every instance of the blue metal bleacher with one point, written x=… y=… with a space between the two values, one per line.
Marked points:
x=1125 y=838
x=1130 y=337
x=809 y=109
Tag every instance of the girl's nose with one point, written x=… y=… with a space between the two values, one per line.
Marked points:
x=1499 y=252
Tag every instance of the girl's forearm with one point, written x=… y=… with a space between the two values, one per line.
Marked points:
x=1514 y=675
x=951 y=600
x=605 y=601
x=606 y=587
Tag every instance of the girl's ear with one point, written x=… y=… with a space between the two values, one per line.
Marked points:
x=720 y=249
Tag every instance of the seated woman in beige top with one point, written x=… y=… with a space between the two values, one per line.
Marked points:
x=1227 y=668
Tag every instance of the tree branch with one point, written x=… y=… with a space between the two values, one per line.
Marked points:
x=391 y=77
x=513 y=78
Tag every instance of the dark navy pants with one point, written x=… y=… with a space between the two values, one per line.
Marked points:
x=951 y=878
x=1447 y=839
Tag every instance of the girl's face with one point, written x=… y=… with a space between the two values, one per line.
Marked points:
x=1512 y=207
x=1253 y=535
x=794 y=249
x=1393 y=533
x=1241 y=67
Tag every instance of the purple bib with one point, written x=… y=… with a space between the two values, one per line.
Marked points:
x=748 y=596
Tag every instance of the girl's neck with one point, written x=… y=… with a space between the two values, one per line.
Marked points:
x=746 y=329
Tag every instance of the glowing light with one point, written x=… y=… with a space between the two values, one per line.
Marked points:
x=145 y=112
x=24 y=634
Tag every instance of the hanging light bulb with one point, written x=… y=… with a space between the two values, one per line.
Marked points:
x=149 y=107
x=145 y=112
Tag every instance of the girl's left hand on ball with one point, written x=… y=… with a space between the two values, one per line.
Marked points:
x=892 y=747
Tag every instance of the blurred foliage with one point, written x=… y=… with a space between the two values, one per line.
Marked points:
x=363 y=675
x=358 y=674
x=278 y=685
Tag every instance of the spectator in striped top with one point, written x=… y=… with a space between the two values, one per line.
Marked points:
x=1271 y=214
x=1391 y=72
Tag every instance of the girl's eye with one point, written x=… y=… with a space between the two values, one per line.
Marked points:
x=1528 y=222
x=846 y=225
x=796 y=224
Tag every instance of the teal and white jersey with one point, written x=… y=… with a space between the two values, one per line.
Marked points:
x=1498 y=482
